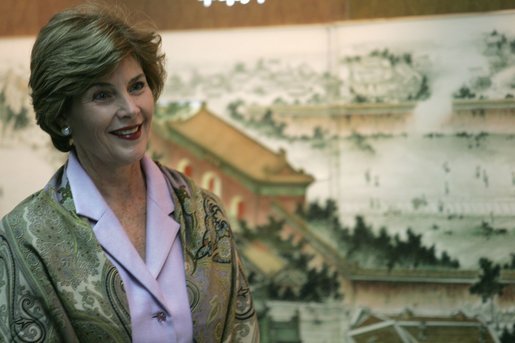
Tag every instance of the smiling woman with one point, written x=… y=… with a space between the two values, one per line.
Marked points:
x=110 y=126
x=111 y=120
x=116 y=247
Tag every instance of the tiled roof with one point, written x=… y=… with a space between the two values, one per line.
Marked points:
x=443 y=275
x=411 y=328
x=235 y=148
x=263 y=257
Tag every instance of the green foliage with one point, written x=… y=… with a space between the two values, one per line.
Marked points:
x=8 y=117
x=473 y=140
x=511 y=264
x=315 y=211
x=419 y=202
x=273 y=128
x=173 y=109
x=488 y=285
x=319 y=284
x=487 y=230
x=508 y=336
x=367 y=248
x=464 y=93
x=233 y=109
x=358 y=98
x=361 y=142
x=267 y=124
x=424 y=91
x=394 y=59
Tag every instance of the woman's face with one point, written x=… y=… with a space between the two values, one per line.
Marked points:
x=110 y=122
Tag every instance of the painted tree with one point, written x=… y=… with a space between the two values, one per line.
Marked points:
x=488 y=286
x=508 y=336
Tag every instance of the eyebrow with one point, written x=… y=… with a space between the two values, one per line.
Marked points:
x=107 y=84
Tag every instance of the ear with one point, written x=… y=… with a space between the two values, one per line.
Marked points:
x=62 y=121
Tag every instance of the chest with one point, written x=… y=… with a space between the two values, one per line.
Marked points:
x=132 y=217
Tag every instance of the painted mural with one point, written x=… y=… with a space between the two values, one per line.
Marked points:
x=368 y=168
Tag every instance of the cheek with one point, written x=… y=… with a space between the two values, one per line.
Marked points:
x=88 y=125
x=150 y=106
x=148 y=102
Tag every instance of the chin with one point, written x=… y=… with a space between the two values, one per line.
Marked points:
x=132 y=157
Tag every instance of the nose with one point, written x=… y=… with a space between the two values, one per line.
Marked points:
x=127 y=106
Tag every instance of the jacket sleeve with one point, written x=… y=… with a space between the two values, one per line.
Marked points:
x=245 y=325
x=24 y=312
x=220 y=298
x=56 y=284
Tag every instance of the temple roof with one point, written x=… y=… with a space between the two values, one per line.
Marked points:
x=232 y=146
x=408 y=327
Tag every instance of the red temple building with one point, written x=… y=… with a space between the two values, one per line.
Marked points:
x=246 y=175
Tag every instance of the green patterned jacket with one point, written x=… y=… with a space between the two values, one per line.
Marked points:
x=57 y=284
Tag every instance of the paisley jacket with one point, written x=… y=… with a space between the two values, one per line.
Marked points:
x=57 y=284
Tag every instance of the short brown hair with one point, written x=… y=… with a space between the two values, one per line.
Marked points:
x=81 y=45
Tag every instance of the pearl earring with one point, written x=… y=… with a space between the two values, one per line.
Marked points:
x=66 y=131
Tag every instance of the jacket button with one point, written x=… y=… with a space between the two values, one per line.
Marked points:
x=160 y=316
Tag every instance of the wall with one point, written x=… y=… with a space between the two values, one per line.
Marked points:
x=462 y=180
x=25 y=17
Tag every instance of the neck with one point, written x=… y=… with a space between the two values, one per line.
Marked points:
x=117 y=184
x=124 y=190
x=122 y=184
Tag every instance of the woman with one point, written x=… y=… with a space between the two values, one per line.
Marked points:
x=116 y=248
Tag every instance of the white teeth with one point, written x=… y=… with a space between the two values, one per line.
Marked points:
x=127 y=132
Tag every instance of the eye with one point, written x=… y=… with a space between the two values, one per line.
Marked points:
x=137 y=86
x=101 y=95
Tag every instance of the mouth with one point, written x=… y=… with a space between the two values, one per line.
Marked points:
x=129 y=132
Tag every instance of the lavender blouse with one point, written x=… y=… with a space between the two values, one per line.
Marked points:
x=156 y=288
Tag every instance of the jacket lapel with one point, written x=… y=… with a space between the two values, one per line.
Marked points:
x=115 y=242
x=161 y=235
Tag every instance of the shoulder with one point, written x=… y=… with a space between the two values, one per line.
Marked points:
x=40 y=201
x=39 y=215
x=28 y=206
x=176 y=179
x=187 y=190
x=185 y=187
x=21 y=227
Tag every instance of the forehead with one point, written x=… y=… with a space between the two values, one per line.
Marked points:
x=128 y=69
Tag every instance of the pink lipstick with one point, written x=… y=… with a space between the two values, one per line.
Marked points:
x=129 y=132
